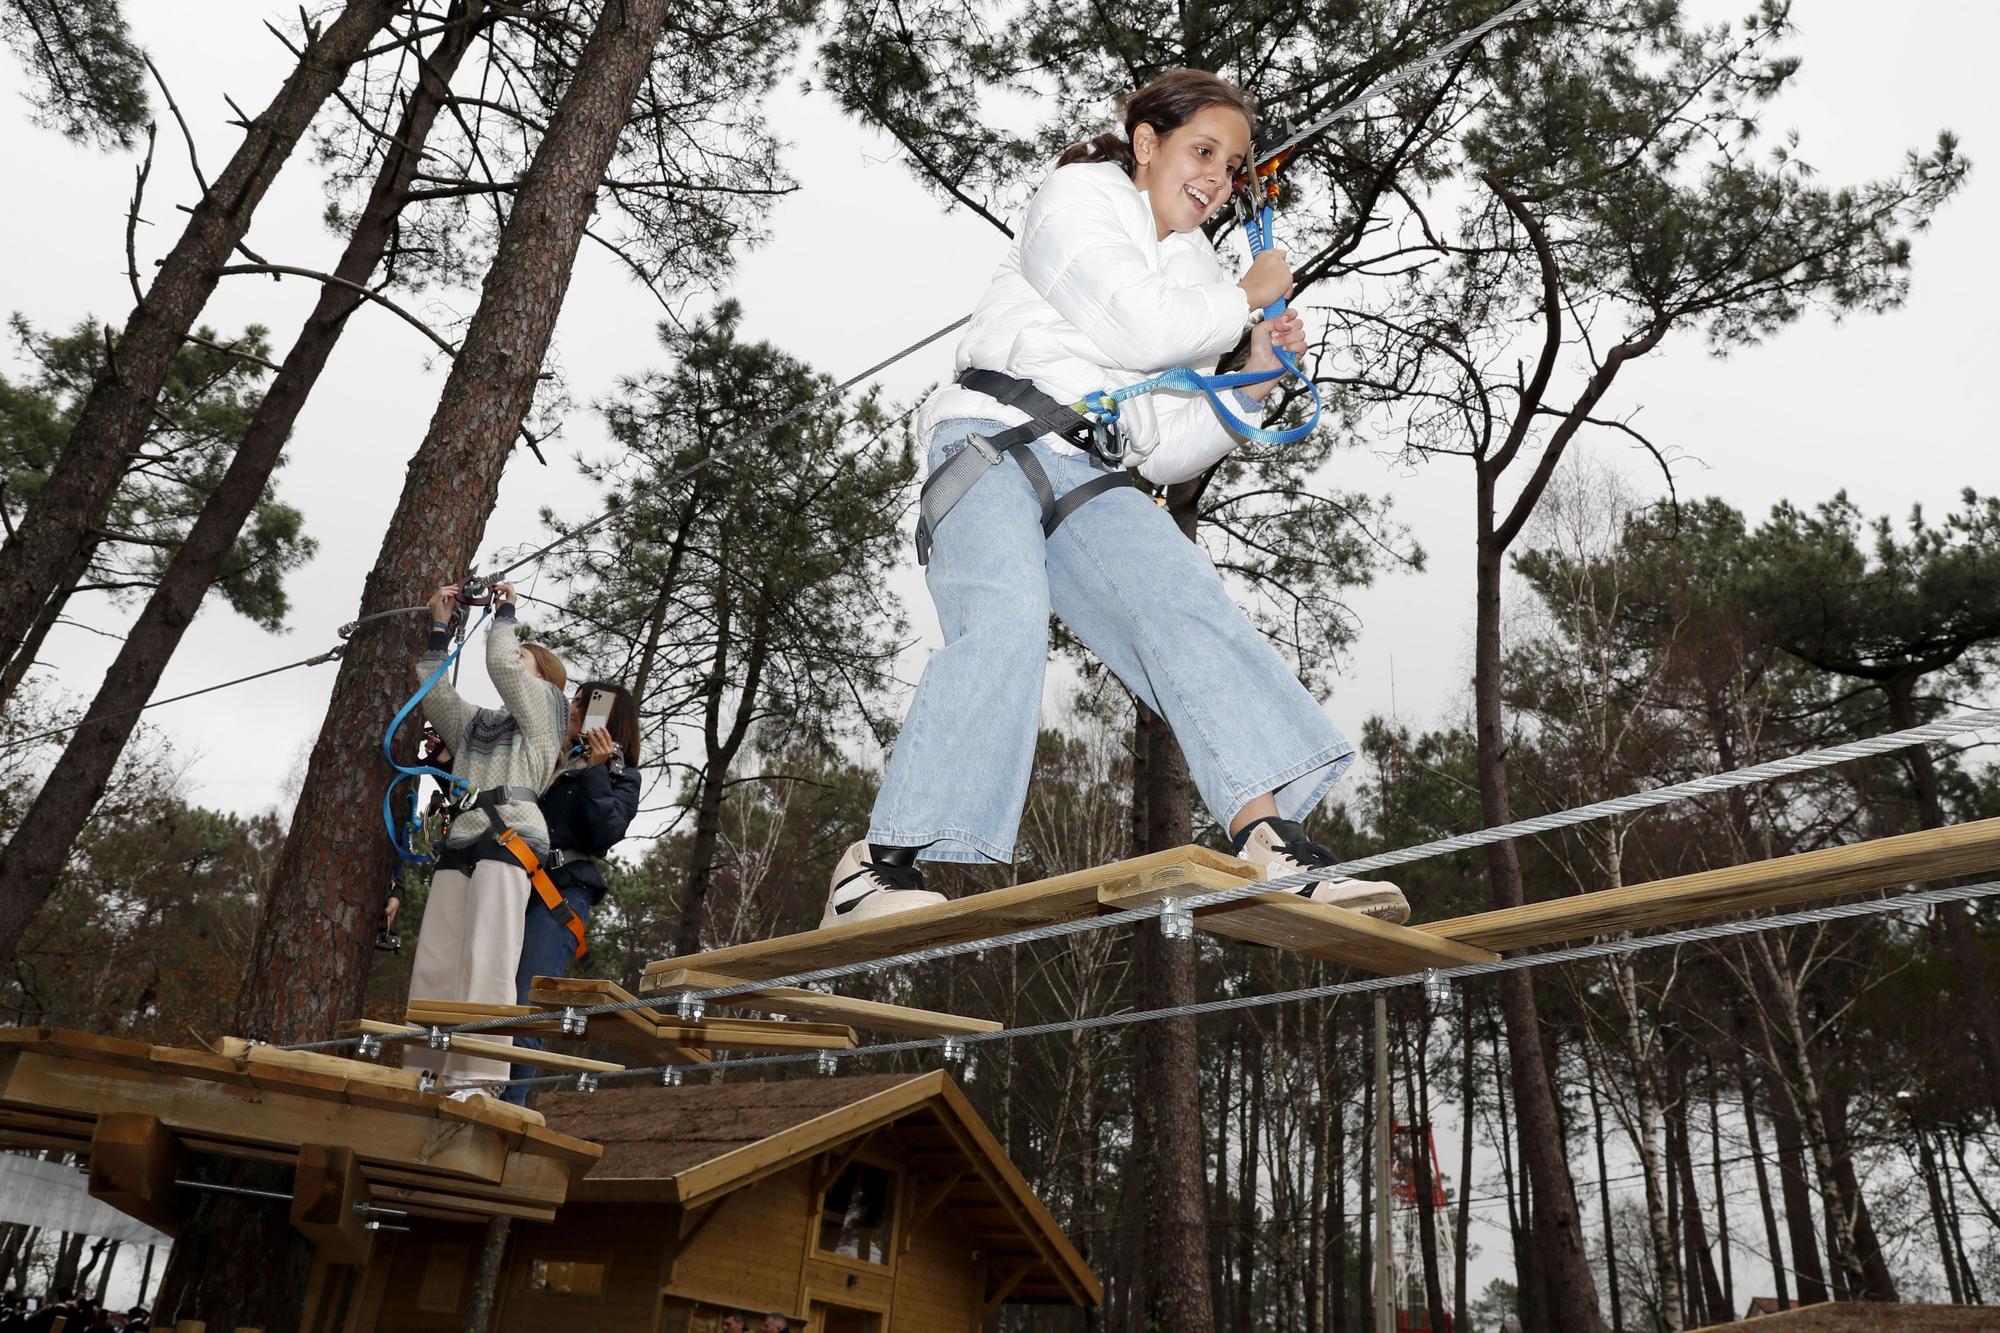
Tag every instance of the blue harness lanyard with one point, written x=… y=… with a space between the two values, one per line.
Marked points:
x=400 y=837
x=1182 y=380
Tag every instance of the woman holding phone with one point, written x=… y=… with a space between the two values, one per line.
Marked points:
x=587 y=808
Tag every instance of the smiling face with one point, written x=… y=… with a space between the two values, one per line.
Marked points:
x=1187 y=174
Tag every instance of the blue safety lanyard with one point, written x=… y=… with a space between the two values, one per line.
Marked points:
x=401 y=836
x=1104 y=406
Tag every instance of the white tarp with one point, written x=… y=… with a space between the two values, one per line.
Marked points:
x=57 y=1198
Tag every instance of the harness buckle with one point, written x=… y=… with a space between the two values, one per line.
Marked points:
x=985 y=446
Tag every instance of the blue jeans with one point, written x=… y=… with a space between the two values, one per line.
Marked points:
x=1142 y=597
x=546 y=950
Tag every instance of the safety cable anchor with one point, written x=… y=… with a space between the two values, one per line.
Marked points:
x=1437 y=987
x=586 y=1082
x=371 y=1046
x=573 y=1023
x=827 y=1062
x=439 y=1040
x=1176 y=920
x=953 y=1050
x=427 y=1081
x=690 y=1009
x=670 y=1078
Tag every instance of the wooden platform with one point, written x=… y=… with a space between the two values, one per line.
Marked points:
x=795 y=1002
x=1280 y=920
x=1286 y=921
x=1861 y=867
x=138 y=1111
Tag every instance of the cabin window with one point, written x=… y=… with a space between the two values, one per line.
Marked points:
x=858 y=1213
x=565 y=1277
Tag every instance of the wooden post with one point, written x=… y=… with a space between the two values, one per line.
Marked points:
x=1385 y=1268
x=134 y=1161
x=326 y=1193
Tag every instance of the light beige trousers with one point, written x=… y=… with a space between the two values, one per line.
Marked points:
x=469 y=949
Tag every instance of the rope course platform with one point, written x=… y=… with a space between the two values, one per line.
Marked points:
x=1283 y=920
x=366 y=1141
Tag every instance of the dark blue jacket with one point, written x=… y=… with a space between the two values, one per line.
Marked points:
x=587 y=810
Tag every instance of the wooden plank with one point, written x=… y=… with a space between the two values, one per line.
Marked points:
x=327 y=1192
x=134 y=1161
x=795 y=1002
x=1885 y=863
x=266 y=1117
x=334 y=1066
x=467 y=1044
x=456 y=1207
x=979 y=916
x=1286 y=921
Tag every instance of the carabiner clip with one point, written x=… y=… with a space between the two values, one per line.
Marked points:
x=474 y=591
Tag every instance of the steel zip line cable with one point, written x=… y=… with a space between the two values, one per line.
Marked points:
x=1394 y=78
x=828 y=1060
x=1707 y=785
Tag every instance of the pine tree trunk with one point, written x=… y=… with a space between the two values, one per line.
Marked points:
x=1721 y=1198
x=1567 y=1283
x=114 y=417
x=486 y=1275
x=1604 y=1198
x=1797 y=1193
x=1870 y=1278
x=31 y=647
x=34 y=858
x=1927 y=1167
x=1174 y=1223
x=1771 y=1239
x=1364 y=1298
x=1252 y=1123
x=310 y=959
x=1976 y=1003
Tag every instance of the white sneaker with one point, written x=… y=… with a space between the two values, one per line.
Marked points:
x=863 y=890
x=1281 y=847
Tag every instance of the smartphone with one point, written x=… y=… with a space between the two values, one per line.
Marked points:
x=597 y=712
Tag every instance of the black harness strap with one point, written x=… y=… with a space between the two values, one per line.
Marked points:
x=958 y=474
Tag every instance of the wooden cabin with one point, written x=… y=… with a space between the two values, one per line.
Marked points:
x=876 y=1204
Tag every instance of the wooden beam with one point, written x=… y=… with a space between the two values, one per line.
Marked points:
x=979 y=916
x=1911 y=858
x=277 y=1117
x=1014 y=1274
x=134 y=1161
x=471 y=1044
x=327 y=1192
x=1286 y=921
x=921 y=1209
x=797 y=1002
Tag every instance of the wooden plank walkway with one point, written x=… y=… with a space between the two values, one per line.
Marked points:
x=1280 y=920
x=1860 y=867
x=795 y=1002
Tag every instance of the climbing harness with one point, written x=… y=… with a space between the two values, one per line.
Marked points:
x=545 y=889
x=944 y=488
x=1091 y=424
x=460 y=797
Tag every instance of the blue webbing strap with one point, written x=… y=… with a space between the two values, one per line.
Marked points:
x=1182 y=380
x=409 y=772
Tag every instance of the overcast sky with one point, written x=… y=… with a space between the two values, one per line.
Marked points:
x=1897 y=409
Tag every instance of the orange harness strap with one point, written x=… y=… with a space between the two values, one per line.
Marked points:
x=546 y=890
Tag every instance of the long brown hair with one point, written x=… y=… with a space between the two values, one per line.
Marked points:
x=1167 y=103
x=552 y=668
x=623 y=724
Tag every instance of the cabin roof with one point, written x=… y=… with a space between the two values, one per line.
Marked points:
x=696 y=1143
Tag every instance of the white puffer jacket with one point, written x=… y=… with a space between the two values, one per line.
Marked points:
x=1089 y=299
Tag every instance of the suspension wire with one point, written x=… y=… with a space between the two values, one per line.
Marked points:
x=1709 y=784
x=1395 y=78
x=1621 y=946
x=330 y=655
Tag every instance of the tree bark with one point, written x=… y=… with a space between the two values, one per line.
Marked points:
x=1174 y=1217
x=1976 y=1001
x=1604 y=1199
x=1462 y=1224
x=1798 y=1200
x=1721 y=1198
x=1927 y=1167
x=38 y=633
x=1751 y=1133
x=113 y=420
x=311 y=954
x=1870 y=1279
x=1421 y=1143
x=1567 y=1283
x=486 y=1275
x=34 y=858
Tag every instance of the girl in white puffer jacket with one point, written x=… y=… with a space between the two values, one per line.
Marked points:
x=1109 y=281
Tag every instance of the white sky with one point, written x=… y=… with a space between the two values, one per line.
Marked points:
x=1892 y=408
